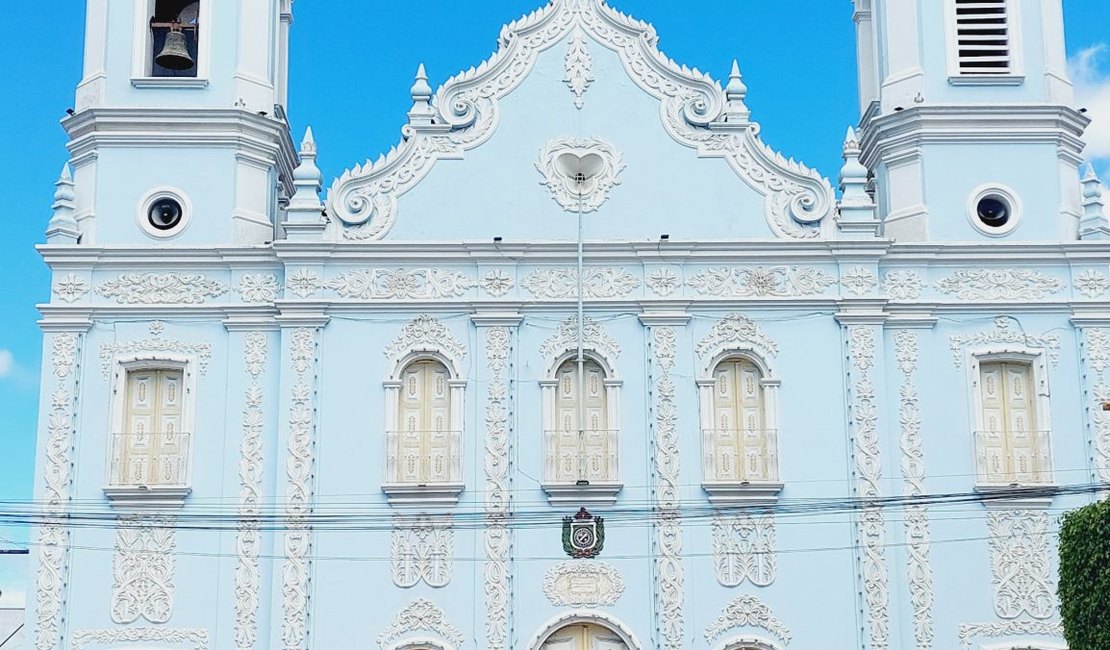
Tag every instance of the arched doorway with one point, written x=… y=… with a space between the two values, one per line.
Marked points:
x=584 y=636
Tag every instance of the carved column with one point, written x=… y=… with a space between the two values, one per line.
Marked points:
x=919 y=571
x=863 y=343
x=65 y=346
x=254 y=339
x=667 y=542
x=496 y=334
x=1094 y=348
x=300 y=338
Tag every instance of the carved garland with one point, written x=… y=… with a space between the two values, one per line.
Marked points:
x=58 y=474
x=296 y=573
x=562 y=283
x=195 y=639
x=861 y=348
x=248 y=542
x=695 y=113
x=420 y=616
x=161 y=289
x=747 y=611
x=919 y=570
x=426 y=334
x=498 y=536
x=579 y=68
x=968 y=632
x=1000 y=284
x=1003 y=333
x=668 y=528
x=142 y=569
x=594 y=338
x=735 y=332
x=760 y=282
x=202 y=352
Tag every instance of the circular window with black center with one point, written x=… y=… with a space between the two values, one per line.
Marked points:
x=994 y=210
x=164 y=213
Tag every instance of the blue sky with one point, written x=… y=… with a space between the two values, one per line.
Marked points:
x=352 y=65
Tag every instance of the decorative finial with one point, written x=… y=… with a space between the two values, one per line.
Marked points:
x=736 y=90
x=421 y=112
x=62 y=228
x=736 y=112
x=304 y=215
x=308 y=144
x=1093 y=224
x=858 y=217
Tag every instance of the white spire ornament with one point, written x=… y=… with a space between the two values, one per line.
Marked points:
x=1093 y=224
x=62 y=228
x=857 y=218
x=736 y=111
x=304 y=219
x=421 y=113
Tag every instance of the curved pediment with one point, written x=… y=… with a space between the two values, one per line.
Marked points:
x=694 y=110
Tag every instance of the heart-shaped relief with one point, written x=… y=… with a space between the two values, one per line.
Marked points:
x=580 y=173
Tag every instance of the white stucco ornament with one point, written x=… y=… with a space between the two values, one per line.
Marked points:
x=582 y=584
x=580 y=173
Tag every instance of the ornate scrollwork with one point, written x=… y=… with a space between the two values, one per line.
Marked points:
x=696 y=110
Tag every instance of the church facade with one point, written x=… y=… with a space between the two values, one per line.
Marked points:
x=581 y=363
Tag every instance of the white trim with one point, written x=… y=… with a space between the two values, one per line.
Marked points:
x=421 y=643
x=1025 y=645
x=999 y=191
x=155 y=496
x=156 y=194
x=588 y=616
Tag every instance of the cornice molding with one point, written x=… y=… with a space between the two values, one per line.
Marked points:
x=696 y=111
x=893 y=133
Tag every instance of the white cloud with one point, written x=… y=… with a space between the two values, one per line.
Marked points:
x=1092 y=91
x=6 y=363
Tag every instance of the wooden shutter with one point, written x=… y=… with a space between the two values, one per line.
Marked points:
x=424 y=443
x=983 y=37
x=1008 y=445
x=582 y=454
x=154 y=446
x=739 y=438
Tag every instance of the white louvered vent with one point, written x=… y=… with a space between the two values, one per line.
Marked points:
x=983 y=36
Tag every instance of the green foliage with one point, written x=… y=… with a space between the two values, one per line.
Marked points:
x=1085 y=577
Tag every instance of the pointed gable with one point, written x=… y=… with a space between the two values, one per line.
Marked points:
x=578 y=111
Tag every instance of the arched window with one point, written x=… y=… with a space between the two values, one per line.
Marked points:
x=1011 y=448
x=584 y=636
x=738 y=444
x=581 y=444
x=739 y=434
x=424 y=445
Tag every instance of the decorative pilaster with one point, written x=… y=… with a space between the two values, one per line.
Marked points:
x=871 y=536
x=667 y=543
x=54 y=536
x=1095 y=347
x=919 y=570
x=499 y=331
x=299 y=467
x=248 y=542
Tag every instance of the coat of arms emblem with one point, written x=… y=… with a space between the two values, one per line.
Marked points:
x=583 y=535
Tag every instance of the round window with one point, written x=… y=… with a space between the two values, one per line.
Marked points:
x=164 y=213
x=994 y=210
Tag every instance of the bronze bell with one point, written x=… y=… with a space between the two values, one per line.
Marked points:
x=175 y=52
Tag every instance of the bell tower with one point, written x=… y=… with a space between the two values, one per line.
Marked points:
x=178 y=134
x=967 y=123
